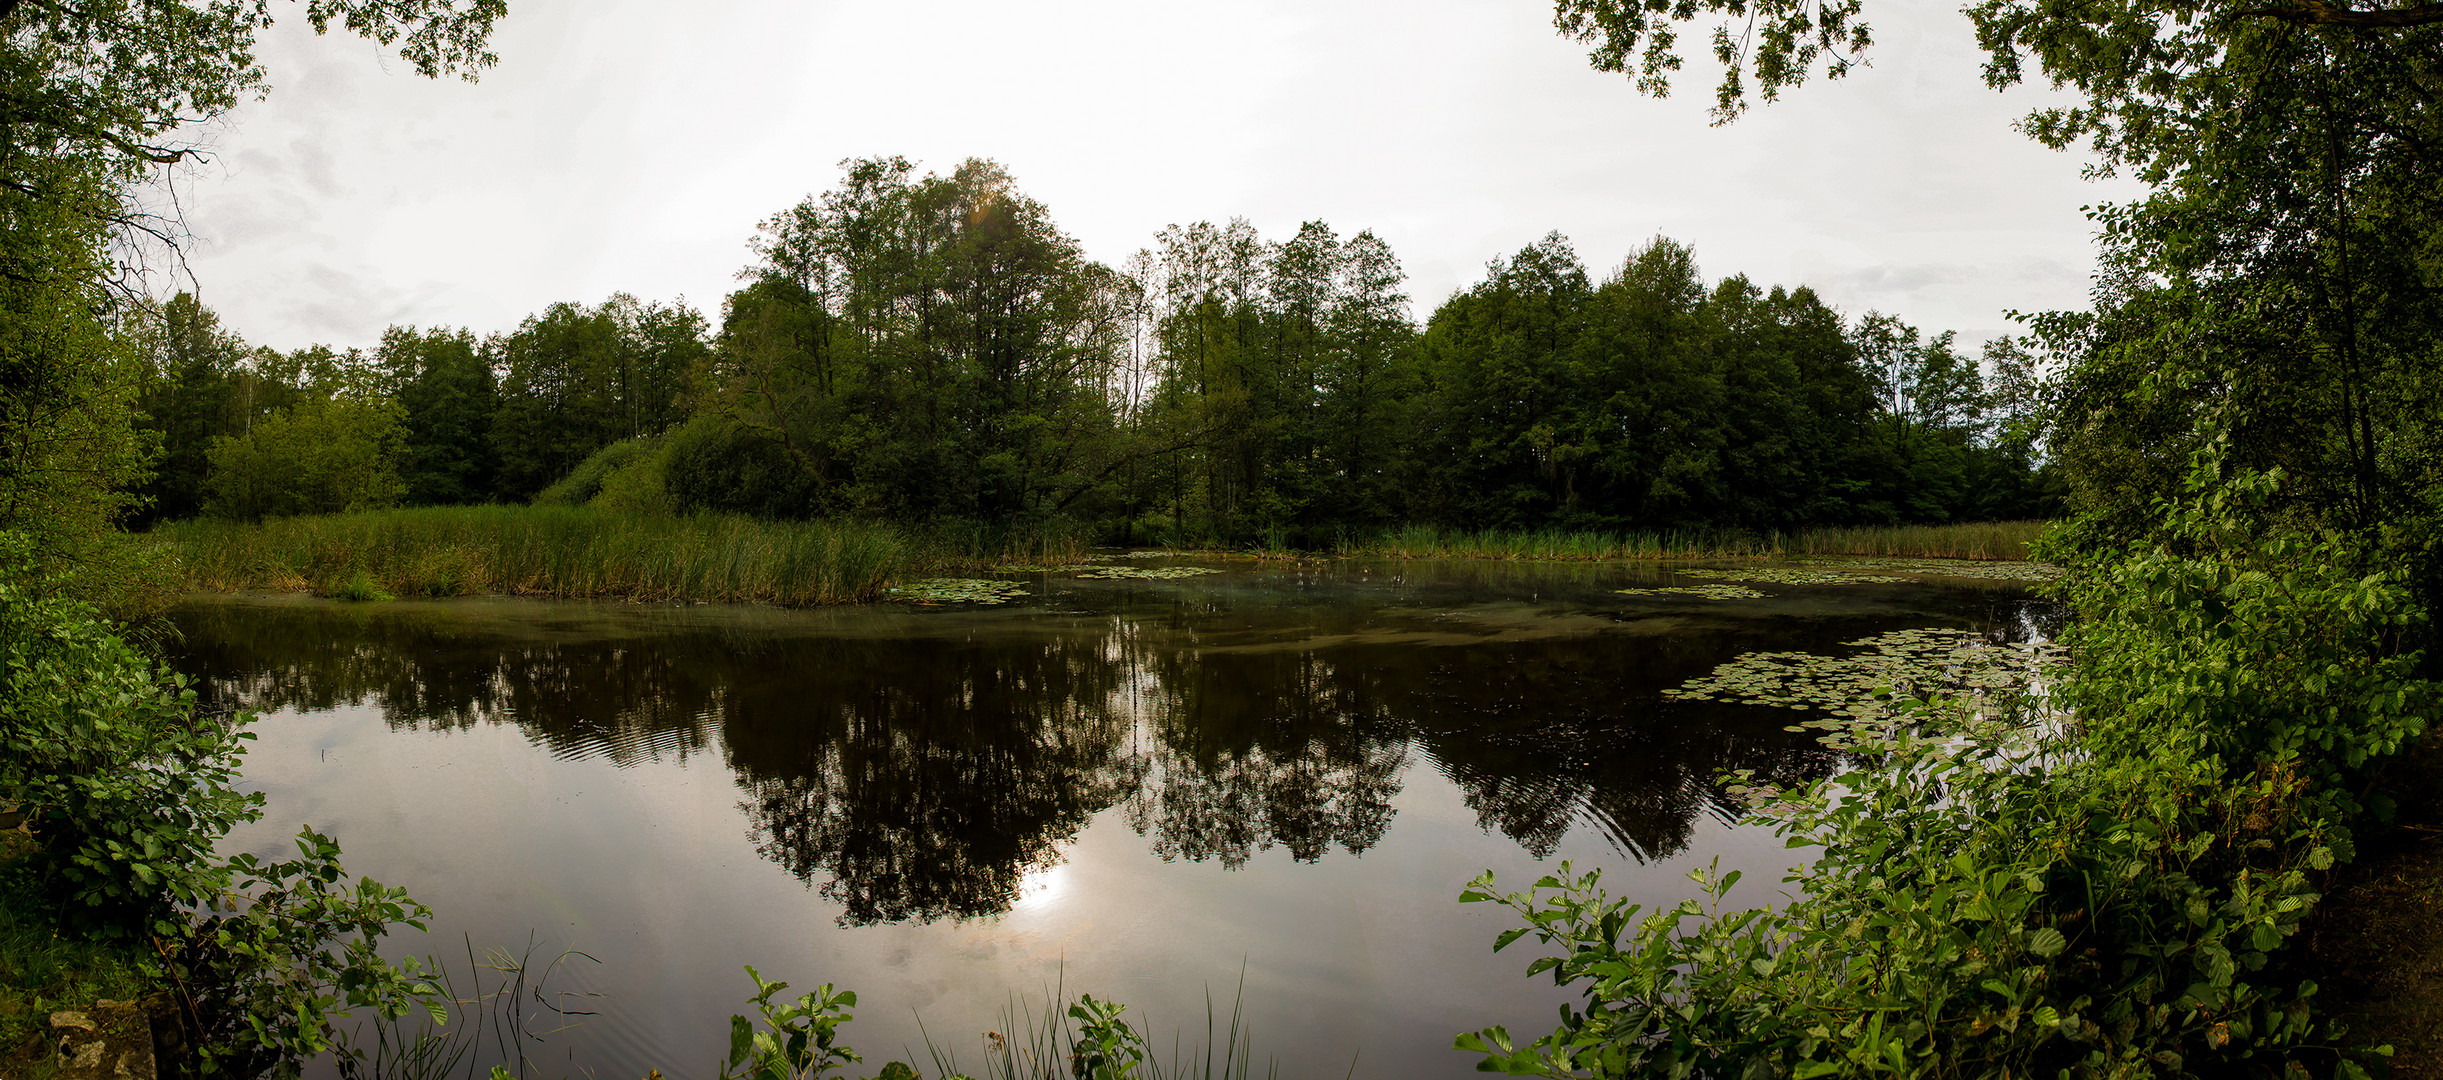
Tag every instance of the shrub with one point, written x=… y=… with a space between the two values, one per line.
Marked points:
x=586 y=480
x=127 y=787
x=2108 y=897
x=322 y=456
x=101 y=747
x=722 y=465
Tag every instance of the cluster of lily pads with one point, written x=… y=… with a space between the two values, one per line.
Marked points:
x=1156 y=572
x=958 y=591
x=1708 y=592
x=1782 y=575
x=1910 y=662
x=1994 y=570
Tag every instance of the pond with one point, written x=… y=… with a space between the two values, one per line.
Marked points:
x=1265 y=785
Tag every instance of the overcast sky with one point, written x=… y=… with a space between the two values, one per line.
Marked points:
x=631 y=146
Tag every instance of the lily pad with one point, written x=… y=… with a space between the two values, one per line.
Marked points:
x=1142 y=572
x=1709 y=592
x=1991 y=570
x=1781 y=575
x=958 y=591
x=1911 y=662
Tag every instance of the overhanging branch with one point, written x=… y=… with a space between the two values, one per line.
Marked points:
x=2319 y=13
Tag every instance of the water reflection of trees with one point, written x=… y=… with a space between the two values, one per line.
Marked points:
x=923 y=777
x=622 y=697
x=1253 y=750
x=927 y=777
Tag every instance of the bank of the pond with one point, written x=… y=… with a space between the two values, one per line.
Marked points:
x=1986 y=541
x=594 y=553
x=582 y=552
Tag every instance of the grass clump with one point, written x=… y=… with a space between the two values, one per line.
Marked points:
x=358 y=586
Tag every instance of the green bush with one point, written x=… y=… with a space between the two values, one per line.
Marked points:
x=2098 y=897
x=321 y=456
x=586 y=480
x=101 y=747
x=722 y=465
x=127 y=787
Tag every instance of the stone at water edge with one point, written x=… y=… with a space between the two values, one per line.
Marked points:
x=113 y=1042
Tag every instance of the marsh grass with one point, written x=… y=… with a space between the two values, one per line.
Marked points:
x=1993 y=541
x=1047 y=1038
x=2006 y=540
x=1428 y=542
x=583 y=552
x=508 y=1014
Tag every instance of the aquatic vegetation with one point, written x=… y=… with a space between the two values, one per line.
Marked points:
x=1780 y=575
x=1081 y=1036
x=1427 y=542
x=592 y=553
x=1911 y=662
x=957 y=591
x=1149 y=573
x=1994 y=571
x=1985 y=541
x=1708 y=592
x=1982 y=541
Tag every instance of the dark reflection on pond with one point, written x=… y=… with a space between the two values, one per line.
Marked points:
x=916 y=766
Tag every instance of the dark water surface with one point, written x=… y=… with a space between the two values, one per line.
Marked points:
x=1139 y=789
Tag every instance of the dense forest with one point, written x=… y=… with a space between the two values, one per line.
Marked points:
x=925 y=347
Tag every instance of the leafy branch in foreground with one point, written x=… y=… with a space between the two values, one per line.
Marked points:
x=127 y=787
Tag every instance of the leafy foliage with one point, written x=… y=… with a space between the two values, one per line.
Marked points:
x=102 y=749
x=801 y=1037
x=325 y=455
x=297 y=947
x=2109 y=898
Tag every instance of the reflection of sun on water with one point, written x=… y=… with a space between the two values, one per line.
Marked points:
x=1042 y=888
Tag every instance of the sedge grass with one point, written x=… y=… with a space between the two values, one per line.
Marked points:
x=1992 y=541
x=583 y=552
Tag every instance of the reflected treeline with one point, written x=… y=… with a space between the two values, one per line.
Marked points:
x=1256 y=749
x=926 y=777
x=921 y=775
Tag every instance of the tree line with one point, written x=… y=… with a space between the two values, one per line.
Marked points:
x=925 y=347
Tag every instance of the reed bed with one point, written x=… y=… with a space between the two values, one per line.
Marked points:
x=1427 y=542
x=1990 y=541
x=588 y=553
x=2002 y=540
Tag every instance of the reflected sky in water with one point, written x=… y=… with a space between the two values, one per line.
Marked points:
x=1140 y=789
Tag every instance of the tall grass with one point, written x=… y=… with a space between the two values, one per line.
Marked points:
x=1992 y=541
x=2003 y=540
x=1428 y=542
x=584 y=552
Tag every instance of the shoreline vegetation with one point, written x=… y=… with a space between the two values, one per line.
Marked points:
x=589 y=553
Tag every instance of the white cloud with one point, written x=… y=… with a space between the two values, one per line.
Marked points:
x=621 y=148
